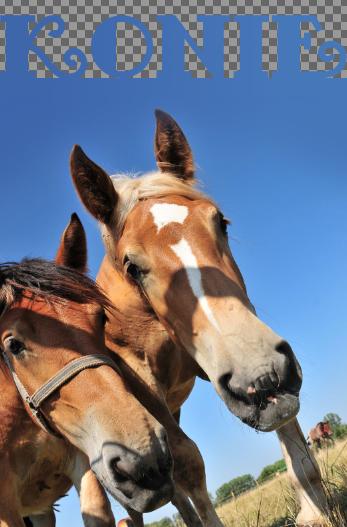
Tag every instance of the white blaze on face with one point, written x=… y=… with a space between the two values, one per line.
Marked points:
x=165 y=213
x=184 y=252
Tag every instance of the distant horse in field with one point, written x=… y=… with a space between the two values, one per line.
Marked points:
x=321 y=433
x=64 y=407
x=169 y=271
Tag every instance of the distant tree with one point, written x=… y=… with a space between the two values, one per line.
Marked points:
x=235 y=487
x=270 y=470
x=334 y=420
x=165 y=522
x=338 y=428
x=223 y=493
x=177 y=520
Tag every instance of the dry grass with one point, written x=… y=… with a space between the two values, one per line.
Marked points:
x=273 y=503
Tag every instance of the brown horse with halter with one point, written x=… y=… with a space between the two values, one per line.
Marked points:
x=65 y=407
x=321 y=433
x=169 y=271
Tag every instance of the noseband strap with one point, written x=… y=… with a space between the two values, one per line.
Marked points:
x=63 y=376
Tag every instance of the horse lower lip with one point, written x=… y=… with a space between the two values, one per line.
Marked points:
x=268 y=416
x=275 y=416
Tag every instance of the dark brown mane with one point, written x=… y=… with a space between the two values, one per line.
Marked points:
x=47 y=280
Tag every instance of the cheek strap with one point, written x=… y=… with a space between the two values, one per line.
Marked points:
x=53 y=384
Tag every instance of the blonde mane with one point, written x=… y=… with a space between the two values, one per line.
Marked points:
x=132 y=189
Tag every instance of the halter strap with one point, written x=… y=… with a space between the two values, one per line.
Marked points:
x=64 y=375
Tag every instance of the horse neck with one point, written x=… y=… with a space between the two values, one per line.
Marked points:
x=139 y=337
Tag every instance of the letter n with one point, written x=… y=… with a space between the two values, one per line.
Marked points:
x=175 y=36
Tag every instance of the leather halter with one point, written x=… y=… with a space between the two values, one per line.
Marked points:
x=63 y=376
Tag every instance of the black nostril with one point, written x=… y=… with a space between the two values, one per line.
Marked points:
x=291 y=377
x=284 y=348
x=224 y=381
x=120 y=474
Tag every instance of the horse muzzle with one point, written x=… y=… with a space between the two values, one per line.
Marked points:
x=142 y=482
x=266 y=396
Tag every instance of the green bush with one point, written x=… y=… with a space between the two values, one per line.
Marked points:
x=165 y=522
x=338 y=428
x=340 y=431
x=270 y=470
x=235 y=487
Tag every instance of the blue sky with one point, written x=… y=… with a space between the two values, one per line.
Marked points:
x=272 y=153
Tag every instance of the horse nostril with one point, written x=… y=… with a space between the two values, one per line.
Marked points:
x=290 y=373
x=284 y=348
x=224 y=382
x=120 y=474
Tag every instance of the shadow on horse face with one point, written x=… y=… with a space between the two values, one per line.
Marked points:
x=95 y=409
x=253 y=369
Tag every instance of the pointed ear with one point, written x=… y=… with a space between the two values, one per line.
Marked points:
x=172 y=151
x=93 y=185
x=72 y=250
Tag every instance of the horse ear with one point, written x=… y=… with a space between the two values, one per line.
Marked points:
x=94 y=186
x=172 y=151
x=72 y=251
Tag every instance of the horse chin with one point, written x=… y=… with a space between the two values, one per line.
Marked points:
x=268 y=418
x=148 y=500
x=142 y=500
x=134 y=496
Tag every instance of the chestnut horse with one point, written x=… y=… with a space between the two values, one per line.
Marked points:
x=51 y=328
x=320 y=433
x=169 y=270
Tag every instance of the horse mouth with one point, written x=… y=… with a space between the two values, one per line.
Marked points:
x=143 y=500
x=264 y=414
x=131 y=494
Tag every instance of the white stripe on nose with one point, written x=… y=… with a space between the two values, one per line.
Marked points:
x=184 y=252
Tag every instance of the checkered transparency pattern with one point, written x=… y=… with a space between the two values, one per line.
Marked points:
x=83 y=16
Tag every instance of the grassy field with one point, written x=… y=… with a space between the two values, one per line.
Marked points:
x=273 y=504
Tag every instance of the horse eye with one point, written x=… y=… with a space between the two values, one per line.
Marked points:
x=223 y=223
x=104 y=318
x=12 y=345
x=133 y=270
